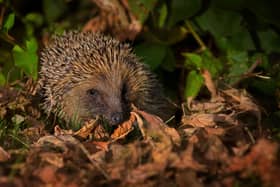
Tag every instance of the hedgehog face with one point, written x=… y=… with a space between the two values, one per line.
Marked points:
x=96 y=97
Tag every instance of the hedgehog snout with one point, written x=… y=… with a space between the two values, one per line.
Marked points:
x=116 y=118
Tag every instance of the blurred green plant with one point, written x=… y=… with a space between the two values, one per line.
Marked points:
x=232 y=39
x=19 y=58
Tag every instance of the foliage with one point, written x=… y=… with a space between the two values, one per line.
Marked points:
x=19 y=56
x=239 y=33
x=234 y=40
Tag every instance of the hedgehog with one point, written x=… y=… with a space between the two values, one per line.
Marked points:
x=84 y=75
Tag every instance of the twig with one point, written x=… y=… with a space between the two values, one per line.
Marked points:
x=170 y=119
x=196 y=36
x=250 y=135
x=248 y=73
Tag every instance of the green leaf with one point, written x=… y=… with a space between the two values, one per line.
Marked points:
x=32 y=45
x=182 y=9
x=2 y=79
x=238 y=61
x=263 y=58
x=227 y=28
x=9 y=22
x=220 y=22
x=169 y=61
x=35 y=18
x=237 y=56
x=193 y=59
x=237 y=41
x=152 y=54
x=141 y=8
x=162 y=15
x=270 y=41
x=194 y=82
x=203 y=61
x=53 y=9
x=229 y=5
x=27 y=59
x=211 y=63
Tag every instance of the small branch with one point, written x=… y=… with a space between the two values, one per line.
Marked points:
x=196 y=36
x=248 y=73
x=250 y=135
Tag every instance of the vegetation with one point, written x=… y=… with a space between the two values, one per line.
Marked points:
x=190 y=44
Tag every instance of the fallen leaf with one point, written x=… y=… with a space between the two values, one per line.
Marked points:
x=59 y=131
x=46 y=174
x=87 y=128
x=156 y=126
x=124 y=128
x=209 y=83
x=4 y=155
x=262 y=160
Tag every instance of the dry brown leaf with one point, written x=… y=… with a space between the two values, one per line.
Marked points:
x=46 y=174
x=7 y=182
x=188 y=131
x=209 y=83
x=36 y=130
x=124 y=128
x=215 y=131
x=145 y=171
x=244 y=102
x=186 y=160
x=208 y=120
x=156 y=127
x=187 y=178
x=214 y=150
x=209 y=150
x=262 y=160
x=102 y=145
x=199 y=120
x=100 y=134
x=114 y=17
x=239 y=151
x=4 y=155
x=59 y=131
x=54 y=159
x=60 y=141
x=87 y=128
x=213 y=106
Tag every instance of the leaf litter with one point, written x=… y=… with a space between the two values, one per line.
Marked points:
x=214 y=145
x=217 y=142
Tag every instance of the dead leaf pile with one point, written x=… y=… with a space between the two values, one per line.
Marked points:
x=219 y=142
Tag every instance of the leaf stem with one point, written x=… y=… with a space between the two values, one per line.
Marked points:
x=196 y=36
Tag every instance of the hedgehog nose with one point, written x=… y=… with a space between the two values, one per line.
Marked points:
x=116 y=118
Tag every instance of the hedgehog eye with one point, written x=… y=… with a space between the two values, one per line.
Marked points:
x=92 y=92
